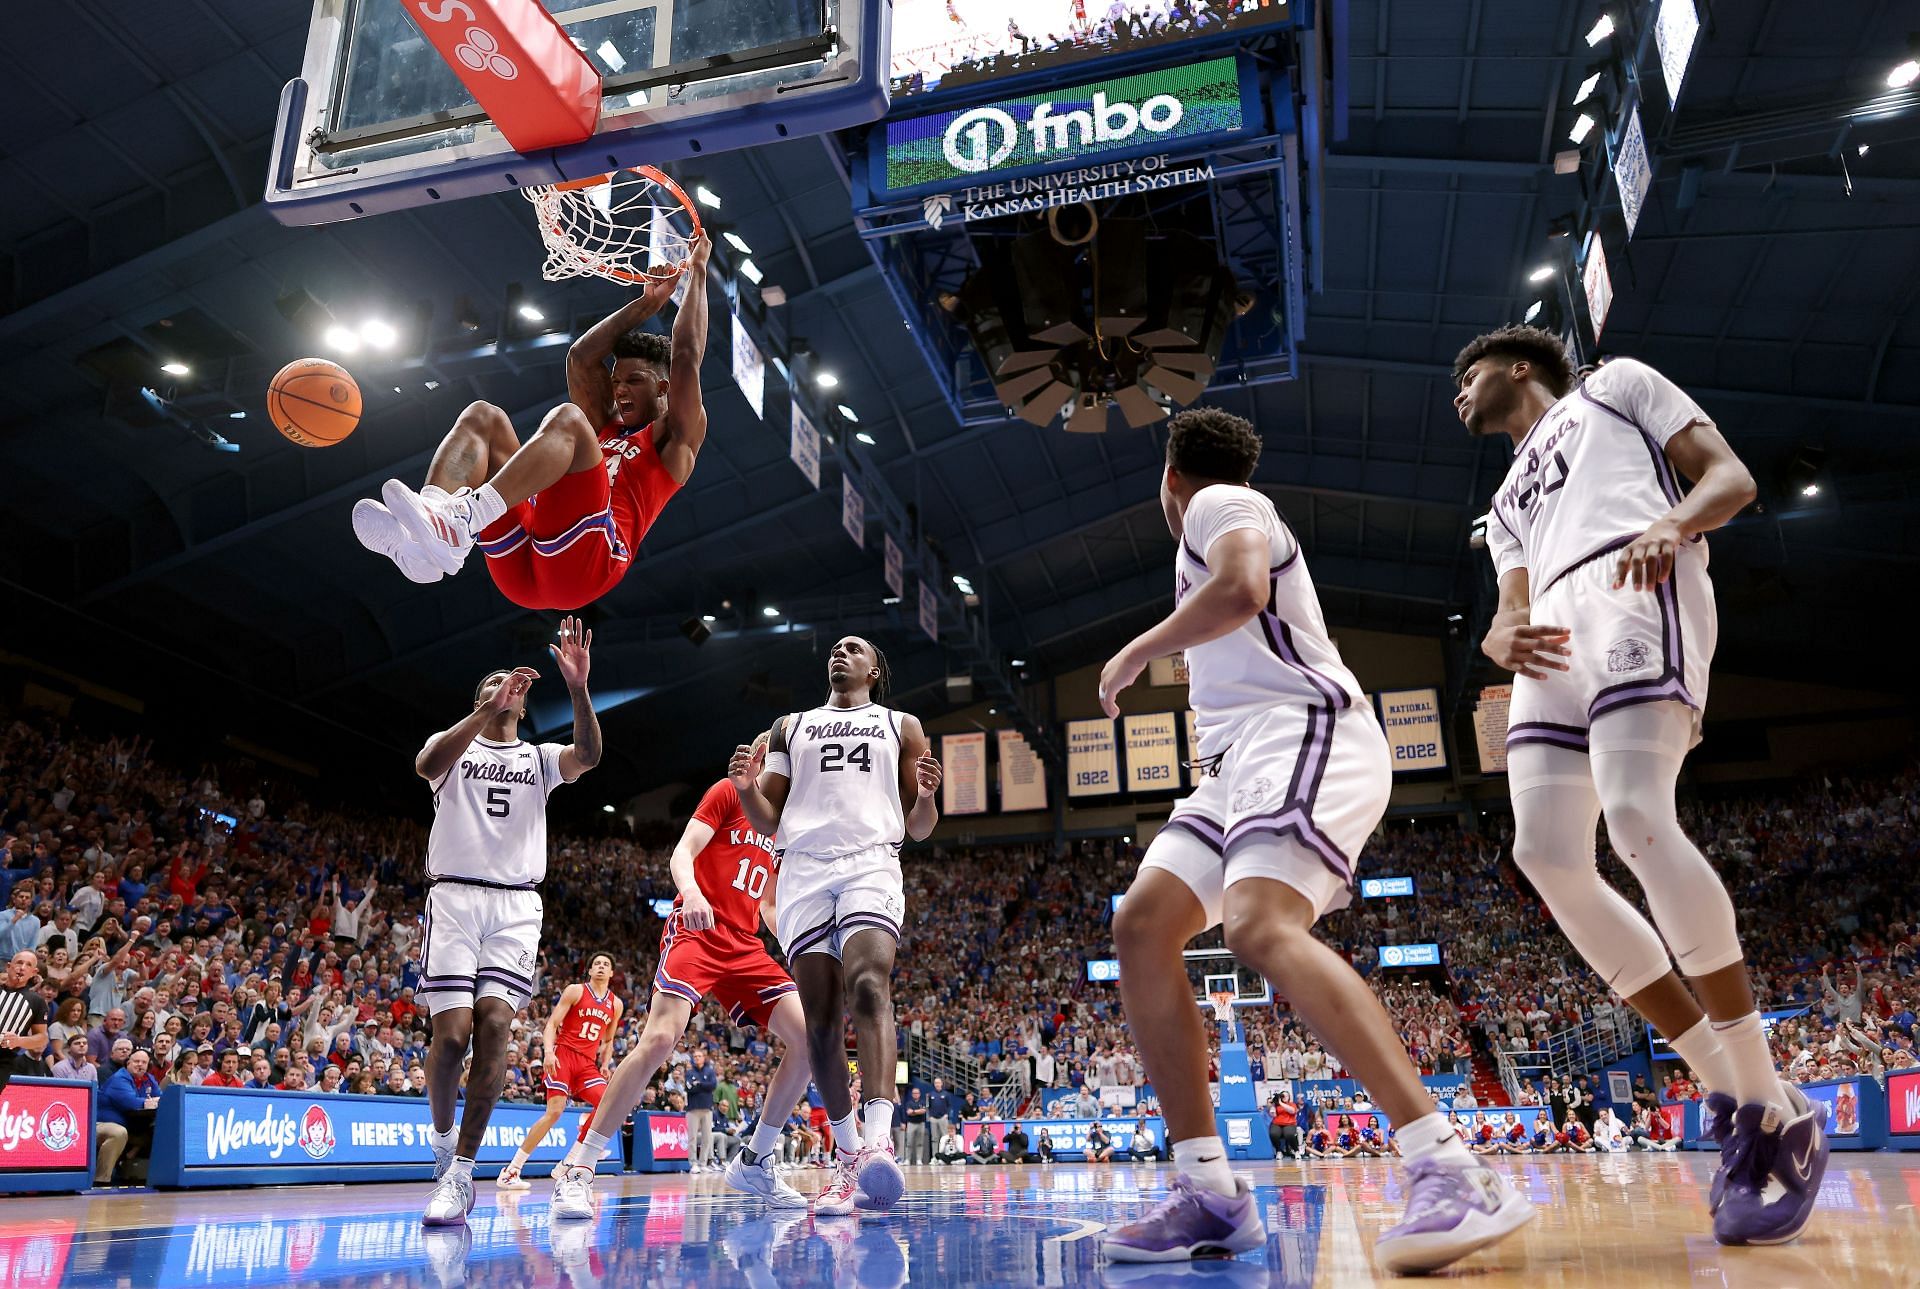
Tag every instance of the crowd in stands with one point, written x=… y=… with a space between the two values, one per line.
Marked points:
x=228 y=932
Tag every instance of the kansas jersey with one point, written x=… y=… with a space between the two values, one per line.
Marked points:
x=732 y=870
x=586 y=1024
x=638 y=481
x=843 y=764
x=490 y=813
x=1592 y=474
x=1282 y=655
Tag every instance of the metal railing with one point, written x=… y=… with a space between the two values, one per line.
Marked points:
x=934 y=1058
x=1577 y=1050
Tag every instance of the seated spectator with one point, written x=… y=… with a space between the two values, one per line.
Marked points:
x=1140 y=1147
x=75 y=1065
x=985 y=1149
x=949 y=1150
x=1014 y=1149
x=1099 y=1144
x=129 y=1099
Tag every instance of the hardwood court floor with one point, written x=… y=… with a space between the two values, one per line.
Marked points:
x=1636 y=1220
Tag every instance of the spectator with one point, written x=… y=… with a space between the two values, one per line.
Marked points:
x=129 y=1099
x=1283 y=1130
x=228 y=1074
x=940 y=1110
x=19 y=928
x=1044 y=1147
x=919 y=1147
x=1014 y=1147
x=701 y=1081
x=985 y=1149
x=1099 y=1144
x=75 y=1065
x=949 y=1150
x=1141 y=1148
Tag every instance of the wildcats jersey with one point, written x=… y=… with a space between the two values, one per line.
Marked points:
x=732 y=870
x=490 y=813
x=1283 y=654
x=844 y=767
x=1592 y=474
x=587 y=1022
x=639 y=482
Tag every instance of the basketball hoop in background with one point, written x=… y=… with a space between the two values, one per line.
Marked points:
x=1223 y=1000
x=634 y=226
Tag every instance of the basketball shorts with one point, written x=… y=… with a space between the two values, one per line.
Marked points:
x=822 y=903
x=561 y=548
x=1627 y=647
x=737 y=972
x=480 y=943
x=574 y=1074
x=1314 y=779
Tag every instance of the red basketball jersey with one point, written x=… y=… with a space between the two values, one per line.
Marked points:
x=638 y=477
x=585 y=1026
x=734 y=868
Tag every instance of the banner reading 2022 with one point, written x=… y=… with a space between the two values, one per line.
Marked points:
x=1411 y=718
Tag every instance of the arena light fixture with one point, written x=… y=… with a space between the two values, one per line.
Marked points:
x=1582 y=128
x=734 y=240
x=1903 y=75
x=379 y=333
x=769 y=612
x=706 y=617
x=1811 y=490
x=1541 y=274
x=1587 y=87
x=706 y=196
x=532 y=314
x=236 y=416
x=1533 y=310
x=342 y=339
x=846 y=411
x=751 y=272
x=608 y=809
x=174 y=367
x=1600 y=30
x=826 y=379
x=865 y=438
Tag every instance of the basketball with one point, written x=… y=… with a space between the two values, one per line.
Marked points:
x=313 y=402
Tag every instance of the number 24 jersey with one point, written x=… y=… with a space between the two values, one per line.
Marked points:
x=845 y=776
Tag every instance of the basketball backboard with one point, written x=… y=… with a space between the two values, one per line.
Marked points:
x=378 y=121
x=1214 y=971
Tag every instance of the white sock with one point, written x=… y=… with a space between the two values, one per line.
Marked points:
x=1700 y=1048
x=877 y=1116
x=485 y=505
x=519 y=1159
x=585 y=1153
x=766 y=1137
x=1750 y=1063
x=1204 y=1159
x=461 y=1167
x=1432 y=1137
x=444 y=1140
x=846 y=1134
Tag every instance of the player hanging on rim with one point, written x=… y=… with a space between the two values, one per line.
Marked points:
x=722 y=869
x=1295 y=776
x=579 y=1052
x=840 y=788
x=560 y=517
x=1607 y=621
x=486 y=856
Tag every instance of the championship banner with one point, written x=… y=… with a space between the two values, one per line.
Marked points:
x=896 y=565
x=1023 y=777
x=1490 y=727
x=1153 y=752
x=46 y=1136
x=1411 y=718
x=963 y=767
x=1632 y=170
x=853 y=512
x=1597 y=282
x=1674 y=32
x=749 y=369
x=1193 y=747
x=804 y=446
x=1093 y=763
x=929 y=611
x=1168 y=671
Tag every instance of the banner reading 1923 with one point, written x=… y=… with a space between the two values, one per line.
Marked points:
x=1153 y=752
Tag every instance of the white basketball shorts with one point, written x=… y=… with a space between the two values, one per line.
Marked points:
x=481 y=942
x=822 y=903
x=1627 y=647
x=1297 y=794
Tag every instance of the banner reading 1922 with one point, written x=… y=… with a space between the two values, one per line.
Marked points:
x=1122 y=116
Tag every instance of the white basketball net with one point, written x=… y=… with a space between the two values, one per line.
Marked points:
x=633 y=226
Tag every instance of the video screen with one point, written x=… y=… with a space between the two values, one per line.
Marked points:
x=945 y=44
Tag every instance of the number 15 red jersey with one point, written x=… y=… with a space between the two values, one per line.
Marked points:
x=732 y=870
x=586 y=1023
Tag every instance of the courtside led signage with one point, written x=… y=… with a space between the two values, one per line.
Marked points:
x=1374 y=888
x=1409 y=955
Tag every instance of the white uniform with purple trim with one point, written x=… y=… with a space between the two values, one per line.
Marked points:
x=1591 y=476
x=838 y=843
x=1297 y=772
x=486 y=855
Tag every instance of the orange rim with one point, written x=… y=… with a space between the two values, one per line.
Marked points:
x=620 y=272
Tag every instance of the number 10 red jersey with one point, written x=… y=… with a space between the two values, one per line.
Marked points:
x=732 y=870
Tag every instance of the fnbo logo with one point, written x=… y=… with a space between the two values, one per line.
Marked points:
x=984 y=137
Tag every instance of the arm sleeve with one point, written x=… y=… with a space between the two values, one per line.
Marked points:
x=779 y=759
x=1218 y=510
x=1647 y=398
x=550 y=765
x=720 y=804
x=1502 y=544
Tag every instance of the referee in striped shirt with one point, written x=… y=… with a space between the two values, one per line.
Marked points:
x=23 y=1019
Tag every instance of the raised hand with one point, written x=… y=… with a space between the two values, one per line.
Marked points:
x=927 y=772
x=571 y=653
x=745 y=766
x=509 y=696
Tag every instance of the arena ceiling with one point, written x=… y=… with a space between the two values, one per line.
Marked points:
x=1776 y=278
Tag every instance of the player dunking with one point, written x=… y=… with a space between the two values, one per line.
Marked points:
x=486 y=856
x=579 y=1050
x=839 y=788
x=1296 y=778
x=723 y=870
x=559 y=517
x=1606 y=618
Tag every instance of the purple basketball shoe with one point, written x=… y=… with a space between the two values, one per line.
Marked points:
x=1719 y=1127
x=1191 y=1222
x=1452 y=1210
x=1773 y=1167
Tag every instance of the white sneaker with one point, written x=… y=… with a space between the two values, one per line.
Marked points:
x=572 y=1193
x=881 y=1182
x=837 y=1199
x=761 y=1179
x=381 y=532
x=450 y=1202
x=440 y=526
x=511 y=1180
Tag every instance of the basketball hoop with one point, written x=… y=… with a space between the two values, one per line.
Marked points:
x=1222 y=1006
x=634 y=226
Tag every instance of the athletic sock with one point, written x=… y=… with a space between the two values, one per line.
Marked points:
x=519 y=1160
x=846 y=1135
x=765 y=1139
x=1700 y=1048
x=461 y=1167
x=444 y=1140
x=1755 y=1081
x=1204 y=1159
x=585 y=1153
x=878 y=1119
x=484 y=505
x=1432 y=1137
